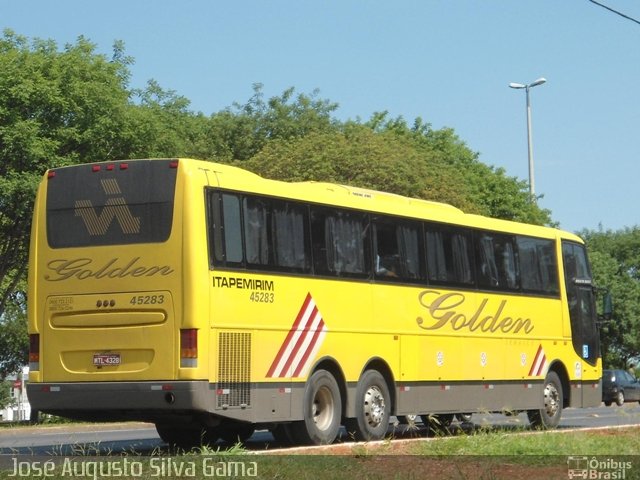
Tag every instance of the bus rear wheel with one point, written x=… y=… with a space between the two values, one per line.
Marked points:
x=282 y=434
x=235 y=432
x=321 y=411
x=553 y=399
x=183 y=437
x=373 y=408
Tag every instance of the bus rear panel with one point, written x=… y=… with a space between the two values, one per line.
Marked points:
x=108 y=340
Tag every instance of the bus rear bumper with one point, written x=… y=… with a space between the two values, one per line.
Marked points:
x=146 y=401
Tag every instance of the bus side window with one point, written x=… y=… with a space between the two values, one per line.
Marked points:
x=538 y=265
x=397 y=251
x=497 y=265
x=289 y=234
x=225 y=235
x=232 y=228
x=255 y=215
x=275 y=234
x=449 y=256
x=340 y=243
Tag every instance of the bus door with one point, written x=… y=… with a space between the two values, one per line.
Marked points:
x=581 y=302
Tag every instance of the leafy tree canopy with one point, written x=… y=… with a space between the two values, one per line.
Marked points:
x=5 y=394
x=56 y=108
x=14 y=341
x=360 y=157
x=615 y=259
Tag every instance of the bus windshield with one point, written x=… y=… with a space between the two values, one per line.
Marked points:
x=110 y=203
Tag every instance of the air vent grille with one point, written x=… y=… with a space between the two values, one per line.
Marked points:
x=234 y=369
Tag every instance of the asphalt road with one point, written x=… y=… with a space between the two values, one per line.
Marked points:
x=142 y=439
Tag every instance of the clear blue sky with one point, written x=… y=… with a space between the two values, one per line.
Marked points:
x=447 y=61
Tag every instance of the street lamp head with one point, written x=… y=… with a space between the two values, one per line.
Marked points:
x=539 y=81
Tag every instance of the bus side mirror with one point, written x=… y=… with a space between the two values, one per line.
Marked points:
x=607 y=306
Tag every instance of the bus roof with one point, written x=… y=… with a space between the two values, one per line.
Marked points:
x=236 y=178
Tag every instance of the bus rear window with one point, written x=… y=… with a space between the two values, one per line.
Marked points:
x=111 y=203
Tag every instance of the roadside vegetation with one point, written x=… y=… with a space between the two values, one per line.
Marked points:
x=484 y=454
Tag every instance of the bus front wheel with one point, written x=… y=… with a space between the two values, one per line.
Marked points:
x=549 y=415
x=373 y=408
x=321 y=411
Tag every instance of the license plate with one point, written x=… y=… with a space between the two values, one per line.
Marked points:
x=106 y=359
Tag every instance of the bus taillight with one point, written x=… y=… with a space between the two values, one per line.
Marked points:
x=189 y=348
x=34 y=352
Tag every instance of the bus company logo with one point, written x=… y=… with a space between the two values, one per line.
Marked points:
x=83 y=269
x=449 y=310
x=301 y=344
x=114 y=208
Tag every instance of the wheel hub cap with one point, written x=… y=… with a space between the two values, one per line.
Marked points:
x=323 y=408
x=551 y=399
x=374 y=406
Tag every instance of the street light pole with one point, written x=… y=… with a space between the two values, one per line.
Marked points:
x=540 y=81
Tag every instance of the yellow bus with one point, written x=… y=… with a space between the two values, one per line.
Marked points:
x=211 y=302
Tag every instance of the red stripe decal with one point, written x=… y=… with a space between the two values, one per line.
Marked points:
x=305 y=331
x=301 y=343
x=294 y=327
x=307 y=353
x=539 y=363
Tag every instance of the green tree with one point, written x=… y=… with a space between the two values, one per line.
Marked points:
x=162 y=125
x=243 y=130
x=56 y=108
x=61 y=107
x=615 y=259
x=5 y=394
x=388 y=154
x=14 y=341
x=358 y=157
x=488 y=190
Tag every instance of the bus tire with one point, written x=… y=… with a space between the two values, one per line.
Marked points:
x=181 y=437
x=321 y=411
x=439 y=423
x=282 y=434
x=549 y=415
x=235 y=432
x=466 y=417
x=373 y=408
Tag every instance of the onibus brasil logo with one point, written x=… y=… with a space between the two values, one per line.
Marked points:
x=598 y=468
